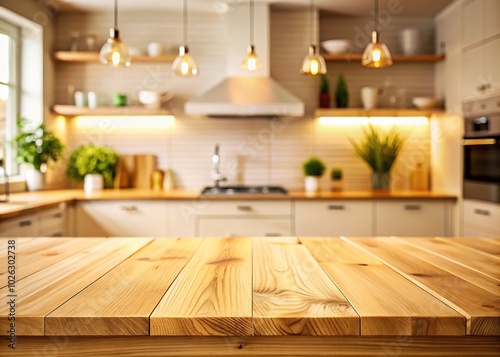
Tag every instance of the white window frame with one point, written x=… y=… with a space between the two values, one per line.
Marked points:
x=13 y=103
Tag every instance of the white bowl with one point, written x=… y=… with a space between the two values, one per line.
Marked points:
x=336 y=46
x=425 y=102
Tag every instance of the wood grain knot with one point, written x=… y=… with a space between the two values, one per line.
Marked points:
x=363 y=265
x=224 y=261
x=50 y=254
x=421 y=275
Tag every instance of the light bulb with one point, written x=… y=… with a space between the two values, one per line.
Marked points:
x=114 y=51
x=376 y=54
x=251 y=61
x=184 y=65
x=313 y=63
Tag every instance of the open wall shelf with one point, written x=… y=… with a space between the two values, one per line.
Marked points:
x=93 y=57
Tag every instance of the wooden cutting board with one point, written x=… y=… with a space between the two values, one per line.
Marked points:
x=134 y=171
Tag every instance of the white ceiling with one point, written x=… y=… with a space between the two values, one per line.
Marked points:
x=343 y=7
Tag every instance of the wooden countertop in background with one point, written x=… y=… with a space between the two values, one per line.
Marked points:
x=22 y=203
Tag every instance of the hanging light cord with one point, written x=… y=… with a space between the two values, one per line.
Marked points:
x=185 y=22
x=376 y=25
x=116 y=14
x=251 y=22
x=311 y=9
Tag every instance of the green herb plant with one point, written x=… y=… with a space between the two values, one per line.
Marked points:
x=37 y=146
x=336 y=174
x=90 y=159
x=324 y=84
x=378 y=149
x=314 y=167
x=341 y=92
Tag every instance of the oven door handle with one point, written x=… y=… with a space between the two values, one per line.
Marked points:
x=484 y=141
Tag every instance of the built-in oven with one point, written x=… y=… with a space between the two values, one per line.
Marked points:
x=481 y=149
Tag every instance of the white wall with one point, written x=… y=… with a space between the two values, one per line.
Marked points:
x=253 y=151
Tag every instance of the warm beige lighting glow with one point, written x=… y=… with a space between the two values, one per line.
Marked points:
x=110 y=123
x=376 y=55
x=114 y=51
x=184 y=65
x=383 y=121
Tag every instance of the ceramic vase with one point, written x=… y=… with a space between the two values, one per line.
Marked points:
x=93 y=182
x=35 y=180
x=311 y=184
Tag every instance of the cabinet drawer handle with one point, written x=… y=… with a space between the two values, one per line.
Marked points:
x=57 y=215
x=482 y=212
x=273 y=235
x=245 y=208
x=413 y=207
x=130 y=208
x=336 y=207
x=25 y=223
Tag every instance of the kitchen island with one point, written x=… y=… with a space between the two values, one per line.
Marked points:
x=251 y=296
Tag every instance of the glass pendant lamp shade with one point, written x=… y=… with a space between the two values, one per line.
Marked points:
x=313 y=63
x=376 y=55
x=184 y=65
x=114 y=51
x=251 y=61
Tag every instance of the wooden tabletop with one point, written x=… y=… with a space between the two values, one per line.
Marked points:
x=254 y=286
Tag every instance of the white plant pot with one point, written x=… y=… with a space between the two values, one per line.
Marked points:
x=93 y=182
x=311 y=184
x=35 y=180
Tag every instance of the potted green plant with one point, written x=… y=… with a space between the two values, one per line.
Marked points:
x=379 y=150
x=336 y=175
x=341 y=92
x=325 y=99
x=36 y=147
x=313 y=170
x=87 y=161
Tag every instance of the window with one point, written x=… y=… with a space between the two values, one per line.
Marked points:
x=9 y=90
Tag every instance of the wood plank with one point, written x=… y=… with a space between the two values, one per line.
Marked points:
x=289 y=346
x=485 y=245
x=213 y=293
x=71 y=110
x=387 y=302
x=43 y=252
x=472 y=258
x=481 y=308
x=45 y=290
x=93 y=57
x=292 y=295
x=483 y=281
x=121 y=301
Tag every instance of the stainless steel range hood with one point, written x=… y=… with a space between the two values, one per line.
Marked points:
x=243 y=93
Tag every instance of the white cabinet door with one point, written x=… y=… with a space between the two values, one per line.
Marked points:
x=242 y=218
x=481 y=218
x=121 y=219
x=411 y=218
x=24 y=226
x=52 y=222
x=491 y=18
x=333 y=218
x=472 y=73
x=181 y=217
x=491 y=70
x=472 y=22
x=244 y=227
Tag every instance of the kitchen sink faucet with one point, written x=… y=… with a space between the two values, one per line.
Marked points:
x=217 y=176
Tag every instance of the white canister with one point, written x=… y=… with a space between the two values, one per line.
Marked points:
x=155 y=49
x=369 y=97
x=93 y=182
x=409 y=41
x=80 y=99
x=311 y=184
x=92 y=99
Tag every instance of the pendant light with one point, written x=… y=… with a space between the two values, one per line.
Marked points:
x=376 y=54
x=313 y=63
x=184 y=65
x=114 y=51
x=251 y=61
